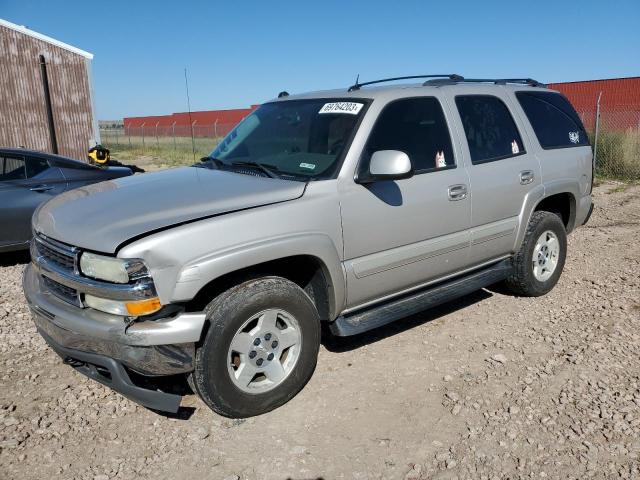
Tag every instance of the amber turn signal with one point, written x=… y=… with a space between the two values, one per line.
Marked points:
x=143 y=307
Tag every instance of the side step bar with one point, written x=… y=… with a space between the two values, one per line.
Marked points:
x=414 y=302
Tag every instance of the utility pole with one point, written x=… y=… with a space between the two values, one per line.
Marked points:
x=595 y=141
x=193 y=141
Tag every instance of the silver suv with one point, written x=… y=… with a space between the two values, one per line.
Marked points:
x=351 y=208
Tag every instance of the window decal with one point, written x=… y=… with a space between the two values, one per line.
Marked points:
x=574 y=137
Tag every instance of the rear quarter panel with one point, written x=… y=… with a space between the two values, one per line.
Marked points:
x=562 y=170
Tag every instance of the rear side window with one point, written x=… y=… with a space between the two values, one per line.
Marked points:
x=35 y=166
x=12 y=168
x=553 y=119
x=417 y=127
x=489 y=127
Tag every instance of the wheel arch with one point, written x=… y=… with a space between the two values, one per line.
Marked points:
x=558 y=197
x=311 y=263
x=563 y=204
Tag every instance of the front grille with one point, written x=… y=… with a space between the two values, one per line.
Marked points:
x=63 y=292
x=59 y=254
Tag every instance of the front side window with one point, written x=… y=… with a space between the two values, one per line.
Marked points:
x=554 y=121
x=12 y=168
x=417 y=127
x=489 y=127
x=298 y=139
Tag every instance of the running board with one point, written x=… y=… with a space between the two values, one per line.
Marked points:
x=414 y=302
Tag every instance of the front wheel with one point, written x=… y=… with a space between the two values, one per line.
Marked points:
x=260 y=349
x=540 y=260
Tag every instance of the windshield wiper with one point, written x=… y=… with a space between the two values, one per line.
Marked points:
x=216 y=161
x=266 y=168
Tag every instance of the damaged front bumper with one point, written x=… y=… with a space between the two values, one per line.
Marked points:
x=101 y=346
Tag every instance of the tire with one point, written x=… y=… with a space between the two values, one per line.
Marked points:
x=531 y=279
x=243 y=315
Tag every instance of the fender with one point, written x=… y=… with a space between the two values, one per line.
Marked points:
x=536 y=195
x=197 y=273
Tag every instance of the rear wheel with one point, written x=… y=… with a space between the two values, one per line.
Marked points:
x=260 y=349
x=540 y=260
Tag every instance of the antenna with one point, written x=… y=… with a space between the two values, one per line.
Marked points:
x=193 y=141
x=357 y=85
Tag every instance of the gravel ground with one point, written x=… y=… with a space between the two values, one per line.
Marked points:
x=491 y=386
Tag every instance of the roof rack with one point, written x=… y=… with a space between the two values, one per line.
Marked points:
x=497 y=81
x=503 y=81
x=449 y=79
x=451 y=76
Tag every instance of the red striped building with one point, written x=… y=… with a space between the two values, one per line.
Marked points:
x=219 y=120
x=619 y=109
x=619 y=101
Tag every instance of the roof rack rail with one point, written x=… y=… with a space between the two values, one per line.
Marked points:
x=451 y=76
x=503 y=81
x=497 y=81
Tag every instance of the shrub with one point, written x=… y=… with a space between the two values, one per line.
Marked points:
x=618 y=154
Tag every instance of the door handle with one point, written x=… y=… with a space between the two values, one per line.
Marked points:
x=526 y=177
x=41 y=188
x=457 y=192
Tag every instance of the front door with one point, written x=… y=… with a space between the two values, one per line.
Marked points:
x=401 y=234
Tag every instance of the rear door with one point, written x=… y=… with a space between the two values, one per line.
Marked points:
x=564 y=151
x=78 y=174
x=502 y=170
x=25 y=182
x=401 y=234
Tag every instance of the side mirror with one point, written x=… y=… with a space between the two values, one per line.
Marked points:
x=387 y=165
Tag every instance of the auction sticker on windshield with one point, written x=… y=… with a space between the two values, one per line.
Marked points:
x=352 y=108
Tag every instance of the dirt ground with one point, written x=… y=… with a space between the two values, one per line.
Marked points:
x=488 y=387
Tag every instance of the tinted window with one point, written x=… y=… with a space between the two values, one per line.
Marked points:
x=36 y=166
x=12 y=168
x=70 y=164
x=303 y=138
x=553 y=119
x=489 y=127
x=417 y=127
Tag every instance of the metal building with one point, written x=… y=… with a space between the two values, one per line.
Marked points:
x=213 y=123
x=46 y=98
x=619 y=100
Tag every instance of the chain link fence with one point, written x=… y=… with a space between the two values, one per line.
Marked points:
x=614 y=132
x=172 y=144
x=616 y=143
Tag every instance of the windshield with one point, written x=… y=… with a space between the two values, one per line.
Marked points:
x=302 y=139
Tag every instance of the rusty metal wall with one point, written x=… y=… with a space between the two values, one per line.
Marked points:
x=23 y=116
x=620 y=100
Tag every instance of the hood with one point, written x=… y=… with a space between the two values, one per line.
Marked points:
x=103 y=215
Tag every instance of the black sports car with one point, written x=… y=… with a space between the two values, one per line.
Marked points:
x=28 y=178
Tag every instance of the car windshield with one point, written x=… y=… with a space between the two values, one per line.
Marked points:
x=299 y=139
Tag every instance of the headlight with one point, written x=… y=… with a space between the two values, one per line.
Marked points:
x=127 y=309
x=110 y=269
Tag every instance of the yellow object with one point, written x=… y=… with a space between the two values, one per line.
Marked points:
x=143 y=307
x=99 y=155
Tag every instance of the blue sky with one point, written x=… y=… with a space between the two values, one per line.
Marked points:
x=239 y=53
